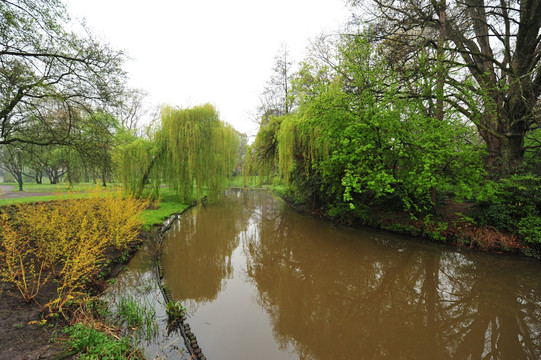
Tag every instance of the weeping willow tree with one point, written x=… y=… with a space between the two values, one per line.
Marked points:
x=192 y=152
x=262 y=156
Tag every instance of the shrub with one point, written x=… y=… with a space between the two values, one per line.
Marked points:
x=20 y=263
x=67 y=238
x=513 y=204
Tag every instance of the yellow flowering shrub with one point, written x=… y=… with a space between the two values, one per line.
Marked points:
x=66 y=239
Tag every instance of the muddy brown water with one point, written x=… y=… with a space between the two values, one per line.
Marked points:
x=262 y=281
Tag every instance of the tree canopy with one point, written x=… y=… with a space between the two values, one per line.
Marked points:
x=485 y=57
x=46 y=69
x=192 y=151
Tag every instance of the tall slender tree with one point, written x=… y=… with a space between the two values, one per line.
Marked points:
x=276 y=97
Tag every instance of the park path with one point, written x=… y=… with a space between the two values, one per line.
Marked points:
x=8 y=193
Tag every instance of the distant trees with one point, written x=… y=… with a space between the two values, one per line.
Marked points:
x=59 y=91
x=11 y=161
x=276 y=97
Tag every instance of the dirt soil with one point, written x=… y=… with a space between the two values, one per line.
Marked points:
x=19 y=339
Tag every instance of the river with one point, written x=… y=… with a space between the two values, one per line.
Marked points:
x=262 y=281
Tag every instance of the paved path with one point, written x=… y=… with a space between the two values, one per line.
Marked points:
x=8 y=193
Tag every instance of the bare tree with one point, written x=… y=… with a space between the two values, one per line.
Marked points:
x=275 y=99
x=11 y=160
x=40 y=61
x=132 y=108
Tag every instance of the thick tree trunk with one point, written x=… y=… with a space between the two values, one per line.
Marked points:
x=504 y=155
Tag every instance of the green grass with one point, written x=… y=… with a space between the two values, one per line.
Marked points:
x=90 y=343
x=77 y=192
x=65 y=196
x=56 y=188
x=168 y=205
x=138 y=317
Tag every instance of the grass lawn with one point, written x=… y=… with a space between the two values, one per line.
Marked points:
x=60 y=196
x=56 y=188
x=167 y=206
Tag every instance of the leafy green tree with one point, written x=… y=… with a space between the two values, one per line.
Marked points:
x=191 y=151
x=95 y=144
x=491 y=52
x=357 y=142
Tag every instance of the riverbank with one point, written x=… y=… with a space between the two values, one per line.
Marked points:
x=25 y=328
x=449 y=224
x=29 y=331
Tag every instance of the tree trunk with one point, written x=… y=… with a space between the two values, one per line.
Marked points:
x=20 y=181
x=504 y=155
x=103 y=178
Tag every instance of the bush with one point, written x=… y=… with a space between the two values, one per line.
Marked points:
x=513 y=204
x=66 y=238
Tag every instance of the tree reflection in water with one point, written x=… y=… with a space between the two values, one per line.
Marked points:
x=338 y=293
x=199 y=246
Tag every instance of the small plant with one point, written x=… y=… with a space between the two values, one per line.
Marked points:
x=175 y=311
x=139 y=317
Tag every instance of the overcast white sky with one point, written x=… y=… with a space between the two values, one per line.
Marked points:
x=186 y=53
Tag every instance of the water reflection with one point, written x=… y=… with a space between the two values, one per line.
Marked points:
x=209 y=236
x=336 y=293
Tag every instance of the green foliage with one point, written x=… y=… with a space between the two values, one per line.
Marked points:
x=167 y=205
x=175 y=311
x=192 y=150
x=261 y=156
x=93 y=344
x=356 y=142
x=135 y=159
x=50 y=64
x=532 y=155
x=134 y=315
x=66 y=238
x=513 y=204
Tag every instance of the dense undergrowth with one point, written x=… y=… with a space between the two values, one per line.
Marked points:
x=64 y=242
x=507 y=219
